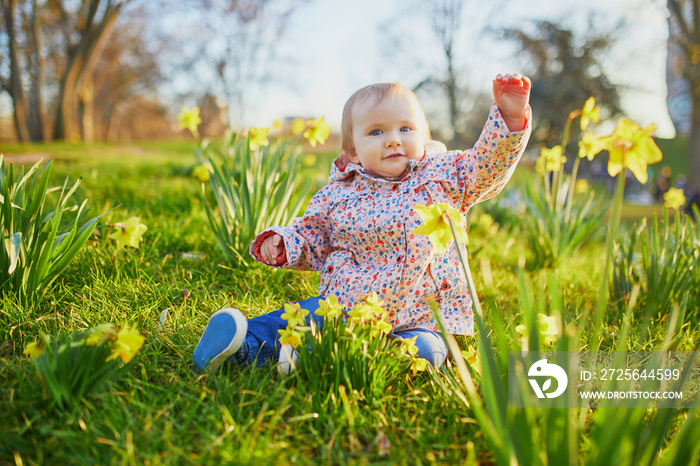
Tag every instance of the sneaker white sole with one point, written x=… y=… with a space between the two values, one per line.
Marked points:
x=287 y=362
x=236 y=342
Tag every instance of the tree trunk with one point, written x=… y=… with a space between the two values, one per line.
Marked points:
x=693 y=176
x=114 y=121
x=452 y=98
x=686 y=31
x=36 y=66
x=15 y=84
x=87 y=98
x=81 y=62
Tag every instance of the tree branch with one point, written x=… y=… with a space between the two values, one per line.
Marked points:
x=675 y=8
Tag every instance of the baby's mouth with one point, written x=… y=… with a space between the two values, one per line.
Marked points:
x=393 y=156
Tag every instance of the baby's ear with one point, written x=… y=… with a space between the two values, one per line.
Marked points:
x=351 y=155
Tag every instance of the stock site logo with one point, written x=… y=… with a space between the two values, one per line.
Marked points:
x=543 y=369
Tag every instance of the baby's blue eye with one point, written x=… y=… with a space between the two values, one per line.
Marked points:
x=406 y=129
x=375 y=132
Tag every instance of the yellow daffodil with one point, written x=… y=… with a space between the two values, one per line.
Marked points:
x=590 y=112
x=126 y=345
x=472 y=357
x=590 y=145
x=436 y=226
x=189 y=119
x=541 y=166
x=383 y=326
x=298 y=126
x=291 y=337
x=128 y=233
x=408 y=346
x=418 y=365
x=96 y=334
x=309 y=160
x=317 y=131
x=548 y=327
x=360 y=313
x=632 y=147
x=375 y=304
x=368 y=310
x=550 y=160
x=277 y=126
x=258 y=137
x=349 y=333
x=378 y=325
x=674 y=198
x=202 y=171
x=581 y=186
x=34 y=349
x=329 y=308
x=374 y=331
x=294 y=315
x=524 y=336
x=485 y=221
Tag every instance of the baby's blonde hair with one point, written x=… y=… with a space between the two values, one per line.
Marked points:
x=379 y=91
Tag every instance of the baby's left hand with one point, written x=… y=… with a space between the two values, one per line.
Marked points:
x=511 y=93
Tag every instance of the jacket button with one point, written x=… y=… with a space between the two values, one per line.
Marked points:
x=399 y=259
x=445 y=285
x=330 y=269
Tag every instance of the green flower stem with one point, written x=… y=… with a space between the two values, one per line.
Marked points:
x=572 y=183
x=548 y=191
x=558 y=177
x=564 y=142
x=476 y=305
x=493 y=425
x=615 y=214
x=556 y=182
x=567 y=130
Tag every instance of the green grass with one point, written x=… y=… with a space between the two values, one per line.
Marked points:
x=164 y=413
x=675 y=156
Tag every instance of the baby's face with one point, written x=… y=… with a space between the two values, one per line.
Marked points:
x=387 y=134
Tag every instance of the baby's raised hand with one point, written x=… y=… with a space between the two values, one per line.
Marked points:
x=271 y=249
x=511 y=93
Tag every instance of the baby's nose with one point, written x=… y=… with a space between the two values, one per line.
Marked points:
x=393 y=140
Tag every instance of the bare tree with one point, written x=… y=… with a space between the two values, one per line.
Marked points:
x=445 y=19
x=686 y=15
x=126 y=71
x=13 y=83
x=72 y=36
x=229 y=48
x=85 y=34
x=451 y=37
x=31 y=24
x=565 y=72
x=75 y=61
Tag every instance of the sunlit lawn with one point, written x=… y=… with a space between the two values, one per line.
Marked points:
x=165 y=413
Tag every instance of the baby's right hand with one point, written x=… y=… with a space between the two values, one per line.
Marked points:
x=271 y=249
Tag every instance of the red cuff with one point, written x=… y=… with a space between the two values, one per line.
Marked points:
x=526 y=117
x=257 y=244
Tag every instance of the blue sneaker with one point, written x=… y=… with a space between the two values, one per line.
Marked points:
x=223 y=336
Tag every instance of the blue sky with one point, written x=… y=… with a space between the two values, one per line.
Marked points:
x=338 y=47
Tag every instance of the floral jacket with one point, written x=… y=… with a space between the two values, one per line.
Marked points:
x=358 y=230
